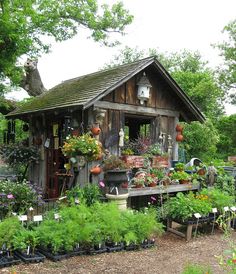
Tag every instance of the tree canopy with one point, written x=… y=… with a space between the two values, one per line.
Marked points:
x=228 y=51
x=25 y=24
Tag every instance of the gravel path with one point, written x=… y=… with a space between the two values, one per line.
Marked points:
x=170 y=255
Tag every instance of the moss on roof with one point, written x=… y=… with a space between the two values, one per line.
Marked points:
x=81 y=90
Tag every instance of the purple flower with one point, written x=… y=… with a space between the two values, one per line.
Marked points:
x=101 y=184
x=10 y=196
x=2 y=194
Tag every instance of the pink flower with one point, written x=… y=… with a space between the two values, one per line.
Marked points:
x=10 y=196
x=153 y=198
x=101 y=184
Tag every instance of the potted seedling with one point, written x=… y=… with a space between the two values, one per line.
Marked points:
x=25 y=242
x=9 y=227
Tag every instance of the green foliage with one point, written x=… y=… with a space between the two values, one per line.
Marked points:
x=184 y=206
x=200 y=140
x=9 y=227
x=226 y=127
x=114 y=162
x=218 y=198
x=196 y=269
x=89 y=194
x=25 y=238
x=227 y=73
x=24 y=25
x=82 y=145
x=225 y=183
x=22 y=196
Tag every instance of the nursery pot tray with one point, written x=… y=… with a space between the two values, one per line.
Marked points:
x=54 y=257
x=6 y=261
x=93 y=251
x=132 y=247
x=148 y=244
x=115 y=248
x=36 y=258
x=192 y=221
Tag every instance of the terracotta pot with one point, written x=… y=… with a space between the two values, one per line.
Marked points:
x=184 y=181
x=95 y=129
x=201 y=171
x=179 y=128
x=96 y=170
x=138 y=186
x=153 y=184
x=179 y=137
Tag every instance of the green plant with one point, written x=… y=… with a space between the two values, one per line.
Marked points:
x=180 y=166
x=91 y=194
x=180 y=175
x=114 y=162
x=9 y=227
x=196 y=269
x=127 y=151
x=218 y=198
x=184 y=206
x=154 y=149
x=19 y=157
x=84 y=145
x=18 y=197
x=25 y=239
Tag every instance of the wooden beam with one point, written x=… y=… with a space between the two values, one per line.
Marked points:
x=136 y=109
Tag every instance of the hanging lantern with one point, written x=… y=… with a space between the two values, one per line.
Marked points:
x=143 y=89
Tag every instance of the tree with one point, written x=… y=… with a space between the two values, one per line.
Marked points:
x=200 y=140
x=228 y=51
x=189 y=71
x=25 y=24
x=227 y=132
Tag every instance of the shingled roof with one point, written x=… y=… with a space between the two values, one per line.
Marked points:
x=83 y=91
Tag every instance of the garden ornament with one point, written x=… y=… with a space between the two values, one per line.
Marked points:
x=211 y=174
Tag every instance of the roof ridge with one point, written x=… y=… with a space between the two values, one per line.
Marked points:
x=108 y=69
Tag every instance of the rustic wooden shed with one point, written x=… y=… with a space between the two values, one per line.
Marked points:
x=110 y=95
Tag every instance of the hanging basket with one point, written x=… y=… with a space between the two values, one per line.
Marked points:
x=96 y=170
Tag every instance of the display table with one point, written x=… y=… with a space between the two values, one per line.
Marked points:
x=134 y=192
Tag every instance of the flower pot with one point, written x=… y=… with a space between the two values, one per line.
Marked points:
x=153 y=184
x=96 y=170
x=115 y=178
x=179 y=128
x=179 y=137
x=95 y=129
x=139 y=186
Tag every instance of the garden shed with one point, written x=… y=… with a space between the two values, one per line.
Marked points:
x=114 y=100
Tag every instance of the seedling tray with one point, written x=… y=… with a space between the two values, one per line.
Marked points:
x=6 y=261
x=36 y=258
x=54 y=257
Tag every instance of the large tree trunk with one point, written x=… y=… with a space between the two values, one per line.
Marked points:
x=32 y=82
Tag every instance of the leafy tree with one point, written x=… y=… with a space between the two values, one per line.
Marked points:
x=200 y=140
x=25 y=24
x=228 y=51
x=227 y=132
x=189 y=71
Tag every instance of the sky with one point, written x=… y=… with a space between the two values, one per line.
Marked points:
x=168 y=25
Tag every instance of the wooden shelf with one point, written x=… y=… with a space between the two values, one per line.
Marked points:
x=133 y=192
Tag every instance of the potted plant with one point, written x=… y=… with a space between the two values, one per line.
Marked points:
x=183 y=206
x=181 y=176
x=84 y=145
x=25 y=242
x=9 y=227
x=179 y=166
x=115 y=174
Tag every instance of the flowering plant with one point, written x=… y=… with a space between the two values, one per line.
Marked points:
x=18 y=197
x=84 y=145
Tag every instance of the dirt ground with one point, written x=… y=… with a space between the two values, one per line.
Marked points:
x=170 y=255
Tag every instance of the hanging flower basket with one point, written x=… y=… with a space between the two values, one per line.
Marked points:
x=83 y=145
